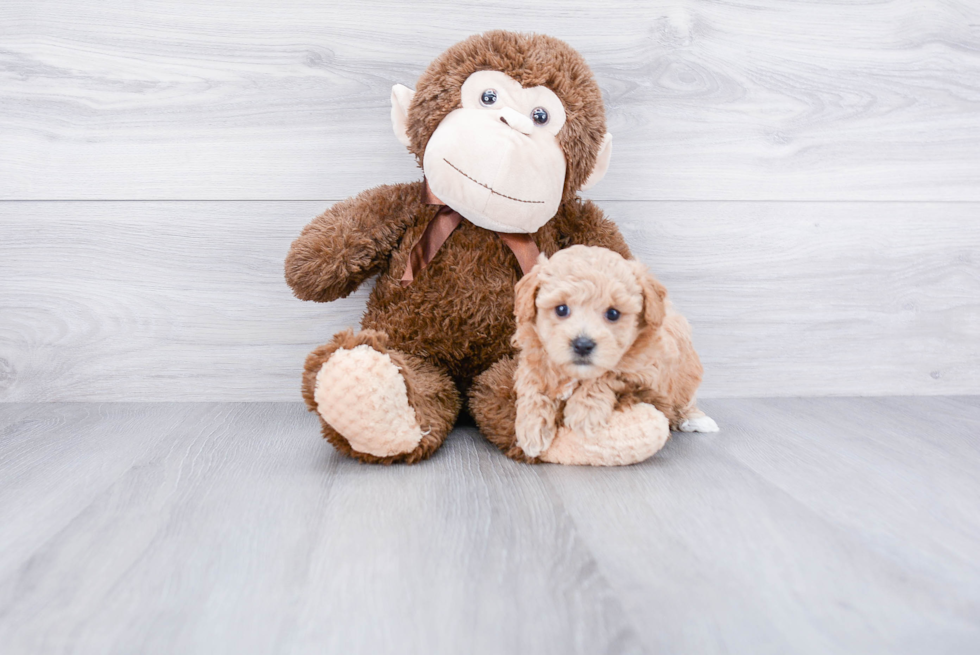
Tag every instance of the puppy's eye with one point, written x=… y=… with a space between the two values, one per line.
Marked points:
x=562 y=311
x=612 y=314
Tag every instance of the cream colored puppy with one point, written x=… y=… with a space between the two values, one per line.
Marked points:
x=605 y=362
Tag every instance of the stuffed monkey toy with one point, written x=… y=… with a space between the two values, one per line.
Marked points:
x=507 y=128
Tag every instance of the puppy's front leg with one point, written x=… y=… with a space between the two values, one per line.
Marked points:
x=535 y=424
x=590 y=407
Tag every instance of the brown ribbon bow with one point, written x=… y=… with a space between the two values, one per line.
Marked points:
x=442 y=225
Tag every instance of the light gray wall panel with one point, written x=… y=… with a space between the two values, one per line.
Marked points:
x=186 y=300
x=157 y=301
x=755 y=100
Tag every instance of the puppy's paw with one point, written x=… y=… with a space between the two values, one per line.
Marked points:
x=589 y=410
x=534 y=425
x=698 y=424
x=534 y=436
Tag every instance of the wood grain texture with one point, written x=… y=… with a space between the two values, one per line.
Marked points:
x=241 y=531
x=186 y=301
x=805 y=526
x=826 y=525
x=757 y=100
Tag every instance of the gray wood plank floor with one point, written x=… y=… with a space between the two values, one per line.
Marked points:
x=806 y=526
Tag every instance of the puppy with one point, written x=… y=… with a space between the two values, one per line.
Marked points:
x=603 y=358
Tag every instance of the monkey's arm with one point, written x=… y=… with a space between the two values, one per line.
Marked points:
x=583 y=223
x=351 y=241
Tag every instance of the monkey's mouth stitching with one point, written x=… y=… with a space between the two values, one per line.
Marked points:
x=486 y=186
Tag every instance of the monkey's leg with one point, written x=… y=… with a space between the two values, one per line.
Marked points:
x=376 y=403
x=631 y=435
x=493 y=404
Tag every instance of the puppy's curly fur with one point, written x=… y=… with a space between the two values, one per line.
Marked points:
x=603 y=359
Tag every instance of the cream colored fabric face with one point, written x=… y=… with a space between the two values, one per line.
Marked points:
x=492 y=162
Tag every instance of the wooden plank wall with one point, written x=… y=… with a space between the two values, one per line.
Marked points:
x=805 y=177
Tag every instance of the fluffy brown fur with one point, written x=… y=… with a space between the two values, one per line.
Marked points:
x=456 y=319
x=493 y=404
x=646 y=356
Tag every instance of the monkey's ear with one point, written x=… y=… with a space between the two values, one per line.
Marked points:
x=601 y=163
x=401 y=98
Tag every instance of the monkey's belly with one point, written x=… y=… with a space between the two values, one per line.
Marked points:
x=459 y=311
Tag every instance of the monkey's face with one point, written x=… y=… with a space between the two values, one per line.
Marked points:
x=496 y=160
x=493 y=149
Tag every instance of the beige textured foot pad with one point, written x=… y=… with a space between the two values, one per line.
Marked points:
x=631 y=436
x=361 y=394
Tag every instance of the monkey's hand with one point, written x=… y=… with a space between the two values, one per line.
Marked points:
x=351 y=241
x=535 y=425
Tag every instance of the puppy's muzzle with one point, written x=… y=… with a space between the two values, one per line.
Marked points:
x=582 y=346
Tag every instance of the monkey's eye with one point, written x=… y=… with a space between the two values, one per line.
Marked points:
x=489 y=97
x=562 y=311
x=539 y=115
x=612 y=314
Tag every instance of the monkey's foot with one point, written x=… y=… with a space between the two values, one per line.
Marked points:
x=631 y=435
x=362 y=395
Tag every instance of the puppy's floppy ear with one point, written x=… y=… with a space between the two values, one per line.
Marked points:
x=526 y=292
x=654 y=293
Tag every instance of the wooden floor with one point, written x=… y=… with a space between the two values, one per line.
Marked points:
x=805 y=526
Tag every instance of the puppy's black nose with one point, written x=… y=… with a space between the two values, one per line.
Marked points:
x=583 y=346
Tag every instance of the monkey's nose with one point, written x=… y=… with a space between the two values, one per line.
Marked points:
x=583 y=346
x=513 y=119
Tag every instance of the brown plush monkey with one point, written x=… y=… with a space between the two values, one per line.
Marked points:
x=507 y=129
